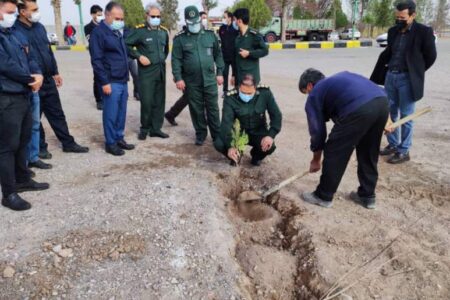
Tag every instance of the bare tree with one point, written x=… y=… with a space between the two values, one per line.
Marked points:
x=58 y=19
x=442 y=10
x=208 y=5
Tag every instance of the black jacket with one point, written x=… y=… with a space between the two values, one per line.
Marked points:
x=420 y=56
x=227 y=36
x=89 y=28
x=15 y=73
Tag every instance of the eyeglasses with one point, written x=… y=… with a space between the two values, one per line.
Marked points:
x=155 y=17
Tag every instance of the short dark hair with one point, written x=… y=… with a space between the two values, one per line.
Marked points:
x=202 y=13
x=22 y=4
x=248 y=77
x=228 y=13
x=111 y=5
x=242 y=14
x=309 y=76
x=8 y=1
x=407 y=4
x=95 y=9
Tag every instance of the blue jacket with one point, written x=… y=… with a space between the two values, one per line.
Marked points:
x=15 y=72
x=40 y=47
x=335 y=97
x=109 y=57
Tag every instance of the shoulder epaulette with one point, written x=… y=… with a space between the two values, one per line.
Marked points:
x=262 y=86
x=140 y=26
x=180 y=33
x=232 y=92
x=253 y=31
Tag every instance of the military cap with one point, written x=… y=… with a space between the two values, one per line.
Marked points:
x=191 y=15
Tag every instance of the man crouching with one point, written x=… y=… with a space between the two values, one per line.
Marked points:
x=249 y=105
x=359 y=110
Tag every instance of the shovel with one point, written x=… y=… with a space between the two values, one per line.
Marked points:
x=409 y=118
x=254 y=195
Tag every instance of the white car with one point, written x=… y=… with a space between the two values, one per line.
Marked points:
x=382 y=39
x=333 y=36
x=347 y=34
x=53 y=38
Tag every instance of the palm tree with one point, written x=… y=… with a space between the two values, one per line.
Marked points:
x=58 y=19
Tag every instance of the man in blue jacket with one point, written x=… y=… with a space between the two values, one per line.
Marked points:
x=17 y=80
x=109 y=60
x=359 y=110
x=28 y=24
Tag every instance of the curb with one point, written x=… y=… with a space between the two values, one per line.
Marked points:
x=321 y=45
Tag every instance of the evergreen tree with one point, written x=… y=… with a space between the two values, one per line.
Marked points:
x=260 y=13
x=169 y=15
x=134 y=12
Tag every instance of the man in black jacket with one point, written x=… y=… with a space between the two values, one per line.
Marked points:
x=401 y=67
x=228 y=36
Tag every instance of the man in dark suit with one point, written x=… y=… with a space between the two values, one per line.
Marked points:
x=401 y=67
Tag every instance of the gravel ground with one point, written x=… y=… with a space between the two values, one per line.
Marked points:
x=161 y=222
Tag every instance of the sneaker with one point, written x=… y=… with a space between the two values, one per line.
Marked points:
x=159 y=134
x=399 y=158
x=313 y=199
x=44 y=154
x=31 y=186
x=388 y=150
x=39 y=164
x=114 y=150
x=15 y=202
x=367 y=202
x=171 y=120
x=75 y=148
x=123 y=145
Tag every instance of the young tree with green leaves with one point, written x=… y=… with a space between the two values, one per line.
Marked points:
x=260 y=13
x=134 y=12
x=169 y=15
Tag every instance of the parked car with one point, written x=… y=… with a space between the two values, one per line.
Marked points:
x=347 y=34
x=382 y=39
x=53 y=38
x=333 y=36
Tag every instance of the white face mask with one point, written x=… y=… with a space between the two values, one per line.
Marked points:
x=224 y=21
x=8 y=20
x=204 y=23
x=35 y=17
x=98 y=19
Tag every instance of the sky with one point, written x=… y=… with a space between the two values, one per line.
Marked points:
x=70 y=10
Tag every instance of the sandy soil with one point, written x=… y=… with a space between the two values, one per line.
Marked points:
x=162 y=222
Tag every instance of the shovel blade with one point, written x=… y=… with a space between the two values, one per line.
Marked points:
x=247 y=196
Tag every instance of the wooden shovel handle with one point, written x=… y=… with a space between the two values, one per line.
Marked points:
x=410 y=117
x=284 y=183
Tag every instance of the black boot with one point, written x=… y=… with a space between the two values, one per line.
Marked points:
x=15 y=202
x=31 y=186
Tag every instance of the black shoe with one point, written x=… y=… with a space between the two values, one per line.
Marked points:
x=123 y=145
x=256 y=162
x=142 y=135
x=100 y=105
x=39 y=164
x=31 y=186
x=114 y=150
x=399 y=158
x=199 y=141
x=44 y=154
x=388 y=150
x=171 y=120
x=15 y=202
x=159 y=134
x=75 y=148
x=367 y=202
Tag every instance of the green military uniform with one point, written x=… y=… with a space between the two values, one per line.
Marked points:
x=197 y=59
x=152 y=43
x=253 y=42
x=252 y=116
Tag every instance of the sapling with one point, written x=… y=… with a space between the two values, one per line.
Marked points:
x=239 y=139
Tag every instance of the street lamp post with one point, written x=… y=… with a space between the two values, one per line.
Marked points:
x=80 y=12
x=354 y=14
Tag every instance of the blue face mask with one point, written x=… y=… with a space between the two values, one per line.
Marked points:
x=194 y=28
x=235 y=25
x=245 y=97
x=154 y=22
x=117 y=25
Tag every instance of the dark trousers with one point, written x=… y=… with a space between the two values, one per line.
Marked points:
x=362 y=130
x=153 y=103
x=226 y=75
x=52 y=109
x=254 y=142
x=97 y=90
x=15 y=133
x=178 y=107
